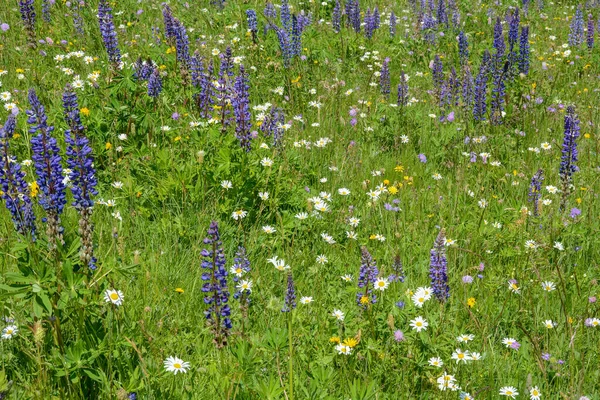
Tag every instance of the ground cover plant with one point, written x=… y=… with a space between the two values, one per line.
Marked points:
x=338 y=199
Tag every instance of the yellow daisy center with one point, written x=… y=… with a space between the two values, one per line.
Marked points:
x=114 y=296
x=177 y=365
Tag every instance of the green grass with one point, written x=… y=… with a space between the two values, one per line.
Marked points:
x=172 y=191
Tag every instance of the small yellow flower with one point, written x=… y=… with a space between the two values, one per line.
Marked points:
x=179 y=290
x=334 y=339
x=364 y=300
x=138 y=194
x=85 y=111
x=177 y=139
x=386 y=182
x=171 y=50
x=578 y=200
x=34 y=189
x=20 y=70
x=471 y=301
x=587 y=135
x=399 y=168
x=393 y=190
x=350 y=342
x=108 y=146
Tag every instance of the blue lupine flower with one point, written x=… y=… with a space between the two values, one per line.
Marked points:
x=216 y=292
x=286 y=16
x=28 y=16
x=393 y=23
x=366 y=278
x=468 y=88
x=499 y=44
x=154 y=84
x=576 y=34
x=336 y=17
x=46 y=11
x=437 y=270
x=205 y=99
x=182 y=48
x=241 y=264
x=169 y=22
x=285 y=44
x=296 y=37
x=48 y=166
x=226 y=67
x=290 y=295
x=403 y=90
x=241 y=108
x=498 y=91
x=384 y=77
x=252 y=23
x=535 y=190
x=524 y=50
x=272 y=125
x=442 y=16
x=109 y=35
x=77 y=19
x=376 y=20
x=463 y=47
x=196 y=69
x=398 y=274
x=82 y=175
x=480 y=107
x=369 y=24
x=13 y=186
x=270 y=14
x=591 y=31
x=569 y=157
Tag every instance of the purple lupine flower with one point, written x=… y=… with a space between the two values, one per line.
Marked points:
x=82 y=175
x=154 y=84
x=393 y=23
x=336 y=17
x=569 y=157
x=169 y=22
x=513 y=28
x=77 y=19
x=285 y=44
x=226 y=67
x=304 y=20
x=524 y=51
x=216 y=292
x=591 y=31
x=398 y=270
x=272 y=125
x=576 y=34
x=369 y=24
x=48 y=167
x=252 y=23
x=468 y=88
x=46 y=10
x=296 y=37
x=498 y=91
x=480 y=107
x=182 y=48
x=376 y=18
x=366 y=278
x=196 y=69
x=535 y=190
x=205 y=99
x=241 y=266
x=286 y=16
x=499 y=44
x=437 y=270
x=13 y=186
x=290 y=295
x=463 y=47
x=454 y=86
x=403 y=90
x=428 y=26
x=109 y=35
x=455 y=13
x=384 y=78
x=442 y=15
x=223 y=96
x=270 y=14
x=26 y=7
x=241 y=108
x=353 y=14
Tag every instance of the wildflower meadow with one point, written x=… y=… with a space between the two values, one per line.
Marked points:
x=299 y=199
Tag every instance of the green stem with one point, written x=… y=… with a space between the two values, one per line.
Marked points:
x=291 y=350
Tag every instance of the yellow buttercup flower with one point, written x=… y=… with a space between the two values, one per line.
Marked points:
x=334 y=339
x=34 y=189
x=85 y=111
x=350 y=342
x=108 y=146
x=471 y=301
x=179 y=290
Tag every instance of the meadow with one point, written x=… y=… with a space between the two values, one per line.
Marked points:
x=337 y=199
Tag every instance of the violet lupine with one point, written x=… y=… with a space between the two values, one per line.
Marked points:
x=480 y=106
x=241 y=266
x=286 y=16
x=513 y=37
x=376 y=19
x=393 y=22
x=591 y=31
x=226 y=66
x=154 y=84
x=535 y=191
x=273 y=125
x=428 y=26
x=285 y=44
x=82 y=175
x=304 y=20
x=576 y=34
x=182 y=49
x=499 y=44
x=223 y=94
x=463 y=47
x=169 y=22
x=290 y=295
x=77 y=19
x=366 y=278
x=26 y=7
x=205 y=99
x=336 y=17
x=437 y=269
x=356 y=16
x=109 y=34
x=46 y=10
x=216 y=292
x=398 y=271
x=369 y=24
x=437 y=73
x=270 y=14
x=498 y=91
x=241 y=108
x=196 y=69
x=524 y=51
x=442 y=15
x=525 y=4
x=48 y=167
x=13 y=186
x=296 y=38
x=454 y=87
x=252 y=23
x=403 y=90
x=455 y=13
x=384 y=78
x=468 y=88
x=569 y=157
